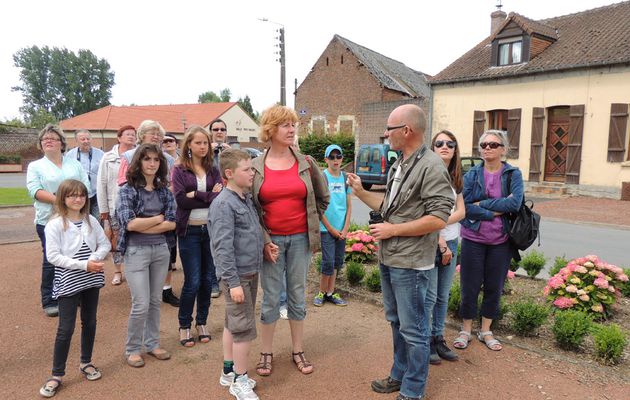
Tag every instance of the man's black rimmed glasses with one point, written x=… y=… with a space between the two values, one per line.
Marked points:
x=389 y=128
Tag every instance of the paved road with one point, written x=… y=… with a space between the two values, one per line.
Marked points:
x=559 y=239
x=12 y=180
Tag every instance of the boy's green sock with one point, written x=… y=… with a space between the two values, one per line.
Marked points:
x=228 y=366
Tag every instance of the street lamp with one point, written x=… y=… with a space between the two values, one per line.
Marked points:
x=282 y=59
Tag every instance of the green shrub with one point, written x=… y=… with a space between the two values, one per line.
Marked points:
x=317 y=260
x=454 y=298
x=610 y=341
x=315 y=145
x=358 y=227
x=355 y=272
x=528 y=316
x=570 y=328
x=514 y=265
x=533 y=263
x=373 y=281
x=625 y=286
x=558 y=264
x=10 y=159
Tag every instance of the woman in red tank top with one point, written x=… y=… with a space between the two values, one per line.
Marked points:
x=291 y=195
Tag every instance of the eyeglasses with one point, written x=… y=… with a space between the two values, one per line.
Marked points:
x=51 y=139
x=492 y=145
x=219 y=130
x=168 y=141
x=76 y=196
x=449 y=143
x=335 y=156
x=389 y=128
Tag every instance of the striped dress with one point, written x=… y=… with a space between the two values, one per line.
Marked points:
x=69 y=282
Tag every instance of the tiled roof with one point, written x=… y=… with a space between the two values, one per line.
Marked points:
x=528 y=25
x=172 y=117
x=596 y=37
x=390 y=73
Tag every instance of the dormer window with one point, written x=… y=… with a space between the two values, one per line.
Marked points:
x=510 y=51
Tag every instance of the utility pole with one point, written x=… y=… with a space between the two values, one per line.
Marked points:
x=282 y=58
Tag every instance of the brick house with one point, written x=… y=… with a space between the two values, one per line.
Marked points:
x=352 y=89
x=174 y=118
x=560 y=87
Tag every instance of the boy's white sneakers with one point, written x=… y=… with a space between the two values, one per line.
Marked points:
x=242 y=390
x=227 y=379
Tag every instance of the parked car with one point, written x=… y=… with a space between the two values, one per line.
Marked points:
x=373 y=163
x=374 y=160
x=253 y=153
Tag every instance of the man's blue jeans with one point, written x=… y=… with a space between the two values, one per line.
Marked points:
x=404 y=292
x=436 y=304
x=198 y=265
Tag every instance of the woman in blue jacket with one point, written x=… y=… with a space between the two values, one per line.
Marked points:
x=486 y=251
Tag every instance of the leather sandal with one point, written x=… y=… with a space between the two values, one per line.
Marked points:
x=188 y=340
x=263 y=368
x=93 y=375
x=50 y=391
x=302 y=365
x=202 y=334
x=493 y=344
x=462 y=340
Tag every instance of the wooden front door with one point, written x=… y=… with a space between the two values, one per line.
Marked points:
x=557 y=144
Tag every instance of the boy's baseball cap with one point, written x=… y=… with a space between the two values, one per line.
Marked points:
x=330 y=149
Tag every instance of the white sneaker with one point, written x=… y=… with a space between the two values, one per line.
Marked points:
x=227 y=379
x=242 y=390
x=284 y=312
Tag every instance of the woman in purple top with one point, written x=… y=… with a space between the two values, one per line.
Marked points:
x=196 y=182
x=486 y=251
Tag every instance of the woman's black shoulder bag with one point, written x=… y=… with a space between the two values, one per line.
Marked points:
x=524 y=224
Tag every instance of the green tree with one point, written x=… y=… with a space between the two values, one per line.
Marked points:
x=61 y=83
x=246 y=105
x=211 y=97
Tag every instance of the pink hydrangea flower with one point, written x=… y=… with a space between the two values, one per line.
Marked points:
x=546 y=290
x=555 y=282
x=572 y=289
x=597 y=308
x=357 y=247
x=585 y=297
x=457 y=268
x=611 y=289
x=581 y=269
x=563 y=302
x=622 y=277
x=511 y=275
x=601 y=282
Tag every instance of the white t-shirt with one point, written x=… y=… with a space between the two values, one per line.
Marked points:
x=451 y=231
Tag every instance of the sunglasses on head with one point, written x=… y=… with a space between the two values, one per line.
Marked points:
x=449 y=143
x=492 y=145
x=335 y=156
x=219 y=130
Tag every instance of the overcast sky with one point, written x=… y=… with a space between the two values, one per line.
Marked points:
x=169 y=52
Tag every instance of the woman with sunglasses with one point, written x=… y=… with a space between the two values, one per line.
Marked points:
x=486 y=251
x=218 y=131
x=43 y=177
x=444 y=143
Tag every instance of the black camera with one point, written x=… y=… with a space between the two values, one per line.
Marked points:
x=376 y=218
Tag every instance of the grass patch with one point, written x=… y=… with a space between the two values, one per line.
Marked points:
x=14 y=197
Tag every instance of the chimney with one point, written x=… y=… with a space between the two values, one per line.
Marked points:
x=496 y=18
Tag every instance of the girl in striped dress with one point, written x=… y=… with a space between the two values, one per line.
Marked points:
x=77 y=246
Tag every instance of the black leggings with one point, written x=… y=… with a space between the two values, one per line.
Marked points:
x=67 y=320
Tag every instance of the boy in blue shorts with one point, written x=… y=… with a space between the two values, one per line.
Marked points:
x=236 y=239
x=334 y=227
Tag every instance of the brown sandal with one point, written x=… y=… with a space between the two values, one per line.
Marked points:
x=302 y=365
x=263 y=368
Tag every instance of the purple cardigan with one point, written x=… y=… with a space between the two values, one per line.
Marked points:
x=184 y=181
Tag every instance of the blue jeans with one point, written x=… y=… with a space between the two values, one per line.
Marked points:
x=483 y=265
x=290 y=268
x=404 y=292
x=439 y=289
x=333 y=253
x=48 y=272
x=194 y=251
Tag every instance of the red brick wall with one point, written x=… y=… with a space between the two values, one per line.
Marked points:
x=333 y=88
